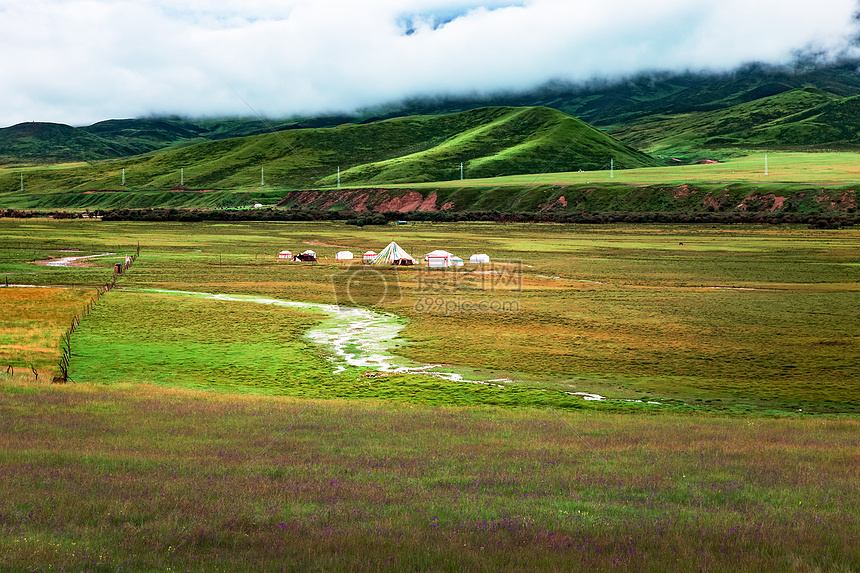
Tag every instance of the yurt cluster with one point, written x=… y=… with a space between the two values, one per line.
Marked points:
x=393 y=254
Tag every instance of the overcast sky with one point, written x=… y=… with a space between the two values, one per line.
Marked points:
x=81 y=61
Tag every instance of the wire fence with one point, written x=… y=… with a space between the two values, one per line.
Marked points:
x=66 y=338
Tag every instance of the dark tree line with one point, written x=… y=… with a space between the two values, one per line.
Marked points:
x=823 y=220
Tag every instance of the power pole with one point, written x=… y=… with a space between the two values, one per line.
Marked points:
x=461 y=171
x=182 y=177
x=338 y=176
x=22 y=182
x=611 y=167
x=123 y=175
x=262 y=178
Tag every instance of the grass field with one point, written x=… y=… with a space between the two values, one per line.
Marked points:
x=752 y=317
x=218 y=437
x=143 y=478
x=834 y=168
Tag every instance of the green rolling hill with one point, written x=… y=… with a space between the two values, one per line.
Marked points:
x=46 y=143
x=489 y=141
x=797 y=120
x=41 y=143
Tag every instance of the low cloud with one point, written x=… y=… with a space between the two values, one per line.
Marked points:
x=81 y=61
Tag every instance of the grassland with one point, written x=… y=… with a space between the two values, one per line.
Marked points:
x=207 y=435
x=142 y=478
x=752 y=317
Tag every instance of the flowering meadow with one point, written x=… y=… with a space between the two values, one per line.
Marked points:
x=143 y=478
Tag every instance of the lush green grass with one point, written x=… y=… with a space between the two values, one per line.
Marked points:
x=782 y=168
x=147 y=478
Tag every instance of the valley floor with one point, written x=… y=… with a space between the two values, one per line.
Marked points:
x=202 y=434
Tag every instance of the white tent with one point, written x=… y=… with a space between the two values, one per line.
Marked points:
x=479 y=259
x=368 y=256
x=456 y=262
x=285 y=255
x=439 y=259
x=343 y=256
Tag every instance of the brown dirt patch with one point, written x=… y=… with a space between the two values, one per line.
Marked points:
x=429 y=204
x=408 y=202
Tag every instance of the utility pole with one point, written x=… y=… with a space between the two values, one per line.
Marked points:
x=22 y=182
x=461 y=171
x=611 y=167
x=338 y=176
x=262 y=178
x=123 y=175
x=182 y=177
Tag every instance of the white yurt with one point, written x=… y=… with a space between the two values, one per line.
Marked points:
x=285 y=255
x=456 y=262
x=343 y=256
x=479 y=259
x=368 y=256
x=439 y=259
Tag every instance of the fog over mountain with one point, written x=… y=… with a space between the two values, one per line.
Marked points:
x=81 y=61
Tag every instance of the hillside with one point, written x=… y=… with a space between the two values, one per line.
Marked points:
x=801 y=120
x=628 y=101
x=773 y=121
x=40 y=143
x=667 y=113
x=489 y=141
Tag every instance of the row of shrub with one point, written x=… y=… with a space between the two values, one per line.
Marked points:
x=820 y=220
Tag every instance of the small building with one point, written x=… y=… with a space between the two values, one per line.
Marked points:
x=343 y=256
x=479 y=259
x=288 y=255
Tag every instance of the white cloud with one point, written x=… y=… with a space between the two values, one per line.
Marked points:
x=80 y=61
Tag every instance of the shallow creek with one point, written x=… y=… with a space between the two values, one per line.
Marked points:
x=352 y=336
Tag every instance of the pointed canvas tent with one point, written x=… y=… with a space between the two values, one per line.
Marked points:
x=393 y=254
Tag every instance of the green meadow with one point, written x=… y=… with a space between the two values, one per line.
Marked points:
x=203 y=434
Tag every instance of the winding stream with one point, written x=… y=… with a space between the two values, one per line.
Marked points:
x=353 y=336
